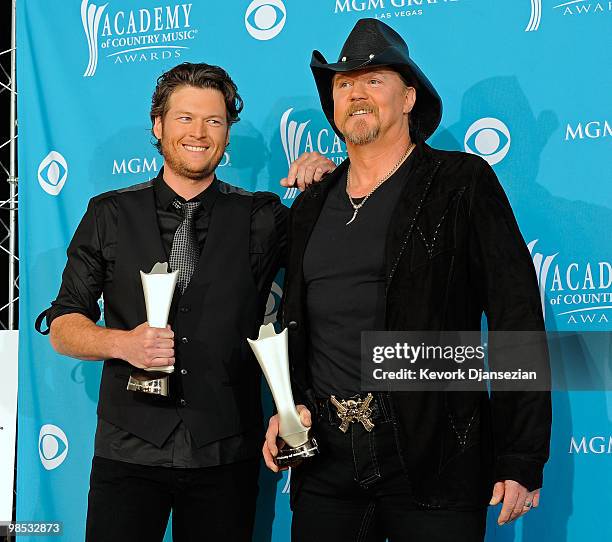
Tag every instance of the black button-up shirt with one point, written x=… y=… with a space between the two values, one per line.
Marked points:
x=77 y=295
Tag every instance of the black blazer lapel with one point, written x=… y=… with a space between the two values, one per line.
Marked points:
x=408 y=207
x=307 y=209
x=303 y=217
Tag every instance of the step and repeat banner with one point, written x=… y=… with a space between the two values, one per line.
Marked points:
x=526 y=84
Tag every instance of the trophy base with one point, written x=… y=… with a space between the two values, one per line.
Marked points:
x=290 y=457
x=154 y=383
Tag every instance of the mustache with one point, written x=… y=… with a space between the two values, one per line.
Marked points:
x=363 y=106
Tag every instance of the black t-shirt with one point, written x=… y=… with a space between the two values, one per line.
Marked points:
x=344 y=272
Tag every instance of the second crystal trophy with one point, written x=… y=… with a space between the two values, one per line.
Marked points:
x=271 y=352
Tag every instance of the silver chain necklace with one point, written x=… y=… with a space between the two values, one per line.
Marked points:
x=357 y=206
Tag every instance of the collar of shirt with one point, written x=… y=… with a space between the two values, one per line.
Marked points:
x=164 y=195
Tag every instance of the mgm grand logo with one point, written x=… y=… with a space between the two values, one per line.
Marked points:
x=388 y=9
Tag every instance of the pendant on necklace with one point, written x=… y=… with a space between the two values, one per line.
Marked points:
x=354 y=217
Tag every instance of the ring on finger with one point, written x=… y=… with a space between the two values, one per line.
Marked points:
x=528 y=504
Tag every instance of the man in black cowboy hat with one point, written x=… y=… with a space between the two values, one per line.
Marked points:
x=403 y=237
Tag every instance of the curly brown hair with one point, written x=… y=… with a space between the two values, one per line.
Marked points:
x=194 y=75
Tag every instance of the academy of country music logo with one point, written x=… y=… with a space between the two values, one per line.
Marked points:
x=572 y=8
x=52 y=173
x=136 y=35
x=52 y=446
x=536 y=16
x=593 y=129
x=150 y=166
x=307 y=135
x=576 y=292
x=264 y=19
x=388 y=9
x=488 y=138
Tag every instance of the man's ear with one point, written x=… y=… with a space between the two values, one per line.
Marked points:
x=157 y=127
x=409 y=100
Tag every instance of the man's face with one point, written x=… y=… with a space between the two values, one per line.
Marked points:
x=193 y=132
x=368 y=103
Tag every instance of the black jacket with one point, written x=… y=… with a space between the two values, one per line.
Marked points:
x=453 y=251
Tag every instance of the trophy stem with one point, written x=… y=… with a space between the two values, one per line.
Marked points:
x=158 y=291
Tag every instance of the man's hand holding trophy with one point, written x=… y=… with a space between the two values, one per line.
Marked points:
x=291 y=424
x=158 y=286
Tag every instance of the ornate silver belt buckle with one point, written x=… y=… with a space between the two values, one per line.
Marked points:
x=354 y=410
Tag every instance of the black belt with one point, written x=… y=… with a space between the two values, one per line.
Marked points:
x=366 y=409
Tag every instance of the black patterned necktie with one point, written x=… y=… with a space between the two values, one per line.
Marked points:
x=184 y=253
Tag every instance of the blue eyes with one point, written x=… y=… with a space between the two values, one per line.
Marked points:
x=213 y=122
x=371 y=82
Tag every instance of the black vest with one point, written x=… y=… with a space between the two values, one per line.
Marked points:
x=215 y=386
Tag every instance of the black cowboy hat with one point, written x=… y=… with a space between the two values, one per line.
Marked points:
x=372 y=43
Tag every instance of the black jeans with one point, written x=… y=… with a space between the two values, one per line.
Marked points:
x=131 y=503
x=356 y=491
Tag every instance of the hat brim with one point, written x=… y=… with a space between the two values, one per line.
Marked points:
x=427 y=111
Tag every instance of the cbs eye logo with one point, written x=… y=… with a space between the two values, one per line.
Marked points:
x=264 y=19
x=52 y=446
x=489 y=138
x=52 y=173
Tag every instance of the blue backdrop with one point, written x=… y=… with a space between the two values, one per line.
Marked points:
x=526 y=84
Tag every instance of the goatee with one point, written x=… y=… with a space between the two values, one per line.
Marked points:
x=362 y=135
